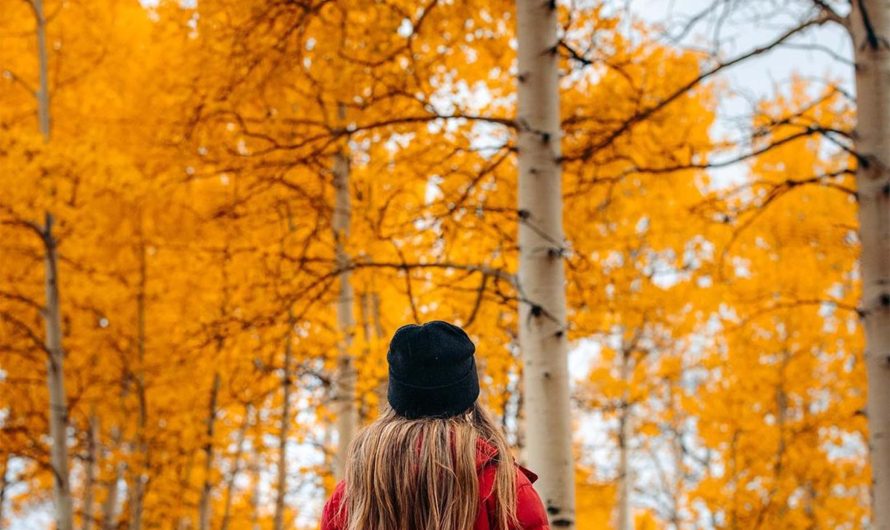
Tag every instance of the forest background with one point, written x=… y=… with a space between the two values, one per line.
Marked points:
x=214 y=215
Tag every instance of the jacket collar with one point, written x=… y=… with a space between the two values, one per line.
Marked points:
x=486 y=453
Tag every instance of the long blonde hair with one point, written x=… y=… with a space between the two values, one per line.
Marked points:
x=404 y=474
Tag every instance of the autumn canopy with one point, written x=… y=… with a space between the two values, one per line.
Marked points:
x=215 y=213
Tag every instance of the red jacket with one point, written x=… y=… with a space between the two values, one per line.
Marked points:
x=529 y=508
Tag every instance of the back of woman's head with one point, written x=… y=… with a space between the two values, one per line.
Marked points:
x=415 y=467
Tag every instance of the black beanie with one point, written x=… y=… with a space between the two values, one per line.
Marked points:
x=432 y=372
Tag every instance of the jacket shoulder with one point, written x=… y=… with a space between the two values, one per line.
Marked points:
x=530 y=510
x=332 y=515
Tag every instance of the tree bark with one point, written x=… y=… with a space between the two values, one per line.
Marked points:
x=58 y=405
x=541 y=286
x=109 y=506
x=4 y=485
x=255 y=490
x=625 y=475
x=372 y=330
x=207 y=488
x=870 y=29
x=236 y=467
x=344 y=383
x=136 y=490
x=43 y=63
x=90 y=472
x=58 y=416
x=284 y=428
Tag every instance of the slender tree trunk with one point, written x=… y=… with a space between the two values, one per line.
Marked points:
x=625 y=522
x=542 y=314
x=517 y=395
x=372 y=330
x=364 y=307
x=4 y=484
x=109 y=506
x=625 y=475
x=136 y=490
x=58 y=415
x=326 y=437
x=344 y=384
x=236 y=467
x=284 y=428
x=58 y=406
x=207 y=488
x=870 y=29
x=255 y=491
x=90 y=474
x=679 y=482
x=43 y=64
x=380 y=333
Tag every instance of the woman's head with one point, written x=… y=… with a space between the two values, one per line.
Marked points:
x=415 y=467
x=432 y=371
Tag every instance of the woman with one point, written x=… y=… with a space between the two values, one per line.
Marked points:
x=435 y=460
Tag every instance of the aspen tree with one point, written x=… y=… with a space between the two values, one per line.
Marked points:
x=870 y=30
x=284 y=426
x=4 y=484
x=344 y=384
x=542 y=315
x=204 y=508
x=90 y=473
x=58 y=404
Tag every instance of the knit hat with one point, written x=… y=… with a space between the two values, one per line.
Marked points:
x=432 y=372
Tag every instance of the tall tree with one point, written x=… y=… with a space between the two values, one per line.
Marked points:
x=345 y=377
x=870 y=31
x=543 y=334
x=58 y=402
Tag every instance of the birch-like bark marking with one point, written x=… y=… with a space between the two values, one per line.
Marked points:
x=625 y=475
x=870 y=31
x=92 y=462
x=344 y=380
x=43 y=64
x=4 y=484
x=58 y=414
x=255 y=473
x=372 y=329
x=58 y=403
x=284 y=427
x=542 y=314
x=109 y=506
x=207 y=488
x=236 y=467
x=136 y=487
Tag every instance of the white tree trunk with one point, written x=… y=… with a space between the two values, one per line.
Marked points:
x=109 y=506
x=625 y=475
x=284 y=428
x=344 y=381
x=136 y=489
x=542 y=314
x=58 y=415
x=58 y=405
x=255 y=491
x=42 y=62
x=236 y=467
x=870 y=28
x=372 y=329
x=204 y=502
x=90 y=474
x=4 y=485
